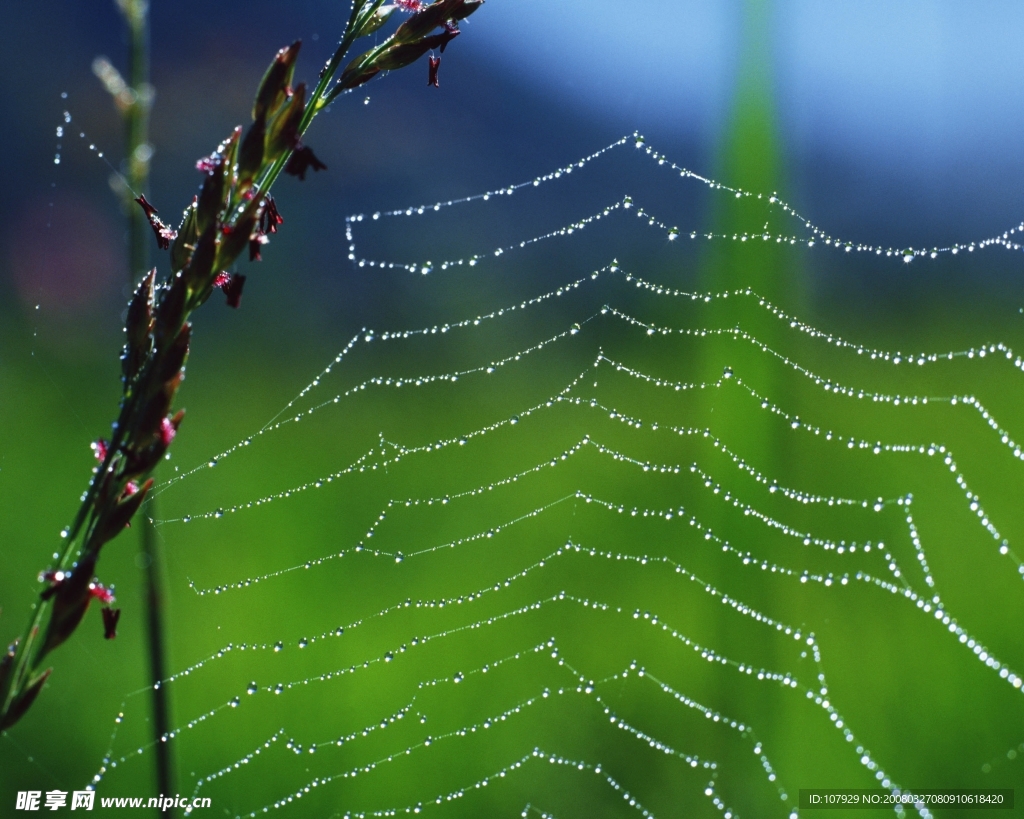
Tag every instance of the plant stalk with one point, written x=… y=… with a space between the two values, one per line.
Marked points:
x=138 y=152
x=159 y=333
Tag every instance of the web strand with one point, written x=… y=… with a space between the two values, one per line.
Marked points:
x=631 y=531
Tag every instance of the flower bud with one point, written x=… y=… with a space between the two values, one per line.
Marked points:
x=170 y=312
x=229 y=148
x=275 y=81
x=283 y=133
x=137 y=325
x=399 y=56
x=234 y=240
x=250 y=155
x=115 y=521
x=176 y=355
x=142 y=461
x=420 y=24
x=402 y=54
x=211 y=197
x=70 y=593
x=188 y=233
x=200 y=266
x=378 y=19
x=356 y=74
x=149 y=420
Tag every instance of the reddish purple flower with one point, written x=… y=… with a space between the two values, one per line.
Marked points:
x=255 y=243
x=99 y=449
x=409 y=5
x=98 y=591
x=164 y=233
x=208 y=163
x=435 y=63
x=270 y=217
x=148 y=208
x=221 y=278
x=110 y=618
x=302 y=160
x=167 y=431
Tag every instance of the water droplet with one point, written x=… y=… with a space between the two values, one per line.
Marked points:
x=514 y=419
x=252 y=689
x=388 y=657
x=278 y=688
x=219 y=513
x=303 y=642
x=235 y=702
x=727 y=373
x=278 y=646
x=399 y=557
x=459 y=677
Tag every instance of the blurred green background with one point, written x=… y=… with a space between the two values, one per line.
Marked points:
x=922 y=705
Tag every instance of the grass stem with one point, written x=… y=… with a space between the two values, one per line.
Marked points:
x=138 y=152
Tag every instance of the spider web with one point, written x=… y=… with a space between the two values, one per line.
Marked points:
x=617 y=547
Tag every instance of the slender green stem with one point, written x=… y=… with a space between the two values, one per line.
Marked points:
x=138 y=151
x=161 y=705
x=136 y=118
